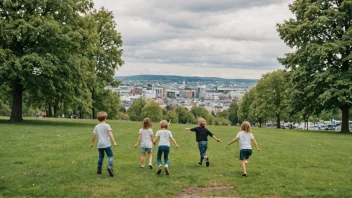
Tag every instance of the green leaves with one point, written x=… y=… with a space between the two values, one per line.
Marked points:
x=153 y=111
x=134 y=112
x=321 y=64
x=233 y=116
x=59 y=52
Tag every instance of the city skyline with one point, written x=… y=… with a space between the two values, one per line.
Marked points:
x=225 y=38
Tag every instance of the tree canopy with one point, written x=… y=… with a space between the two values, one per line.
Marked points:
x=56 y=51
x=320 y=36
x=153 y=111
x=134 y=112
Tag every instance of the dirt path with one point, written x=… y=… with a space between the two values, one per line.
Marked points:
x=216 y=190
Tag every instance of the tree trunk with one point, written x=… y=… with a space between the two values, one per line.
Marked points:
x=16 y=110
x=278 y=125
x=50 y=111
x=55 y=111
x=345 y=114
x=260 y=123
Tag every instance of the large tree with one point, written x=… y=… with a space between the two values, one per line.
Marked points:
x=233 y=117
x=171 y=116
x=41 y=45
x=184 y=116
x=106 y=55
x=134 y=112
x=201 y=112
x=320 y=36
x=258 y=110
x=271 y=91
x=152 y=110
x=244 y=106
x=109 y=102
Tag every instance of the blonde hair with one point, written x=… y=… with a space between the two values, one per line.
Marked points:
x=101 y=116
x=164 y=124
x=201 y=121
x=246 y=127
x=146 y=123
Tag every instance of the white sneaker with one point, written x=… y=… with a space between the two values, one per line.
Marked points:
x=142 y=166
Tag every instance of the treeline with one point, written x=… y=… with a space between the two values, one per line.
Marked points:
x=57 y=56
x=276 y=98
x=141 y=109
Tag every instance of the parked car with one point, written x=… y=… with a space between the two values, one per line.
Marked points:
x=313 y=128
x=323 y=127
x=331 y=127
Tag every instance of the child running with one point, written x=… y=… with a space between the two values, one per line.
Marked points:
x=245 y=137
x=164 y=145
x=202 y=139
x=146 y=135
x=103 y=131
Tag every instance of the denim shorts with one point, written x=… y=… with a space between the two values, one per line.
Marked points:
x=143 y=149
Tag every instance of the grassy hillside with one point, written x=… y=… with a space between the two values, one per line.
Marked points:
x=53 y=158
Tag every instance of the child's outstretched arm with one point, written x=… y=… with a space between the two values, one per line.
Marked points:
x=188 y=128
x=93 y=138
x=156 y=138
x=233 y=140
x=256 y=144
x=139 y=139
x=151 y=138
x=112 y=137
x=174 y=141
x=217 y=139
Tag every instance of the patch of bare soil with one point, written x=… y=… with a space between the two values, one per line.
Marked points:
x=215 y=190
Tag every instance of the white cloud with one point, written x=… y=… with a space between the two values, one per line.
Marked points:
x=215 y=35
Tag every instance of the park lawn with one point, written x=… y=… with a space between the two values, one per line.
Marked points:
x=53 y=158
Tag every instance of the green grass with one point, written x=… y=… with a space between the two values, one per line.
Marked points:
x=53 y=158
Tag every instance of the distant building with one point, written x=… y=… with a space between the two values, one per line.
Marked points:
x=123 y=91
x=200 y=91
x=149 y=94
x=186 y=94
x=159 y=91
x=172 y=93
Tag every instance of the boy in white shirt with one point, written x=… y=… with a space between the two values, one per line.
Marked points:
x=104 y=134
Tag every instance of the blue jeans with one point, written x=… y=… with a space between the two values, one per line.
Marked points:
x=203 y=146
x=163 y=149
x=110 y=155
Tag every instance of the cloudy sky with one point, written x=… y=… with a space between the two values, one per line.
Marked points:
x=220 y=38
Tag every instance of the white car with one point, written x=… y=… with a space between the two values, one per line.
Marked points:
x=314 y=128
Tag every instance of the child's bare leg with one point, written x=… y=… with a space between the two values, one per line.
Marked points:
x=150 y=157
x=143 y=158
x=243 y=164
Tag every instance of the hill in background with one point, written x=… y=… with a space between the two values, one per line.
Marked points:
x=184 y=78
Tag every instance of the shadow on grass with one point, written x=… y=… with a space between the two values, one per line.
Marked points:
x=51 y=122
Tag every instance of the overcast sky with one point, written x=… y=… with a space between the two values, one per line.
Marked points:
x=219 y=38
